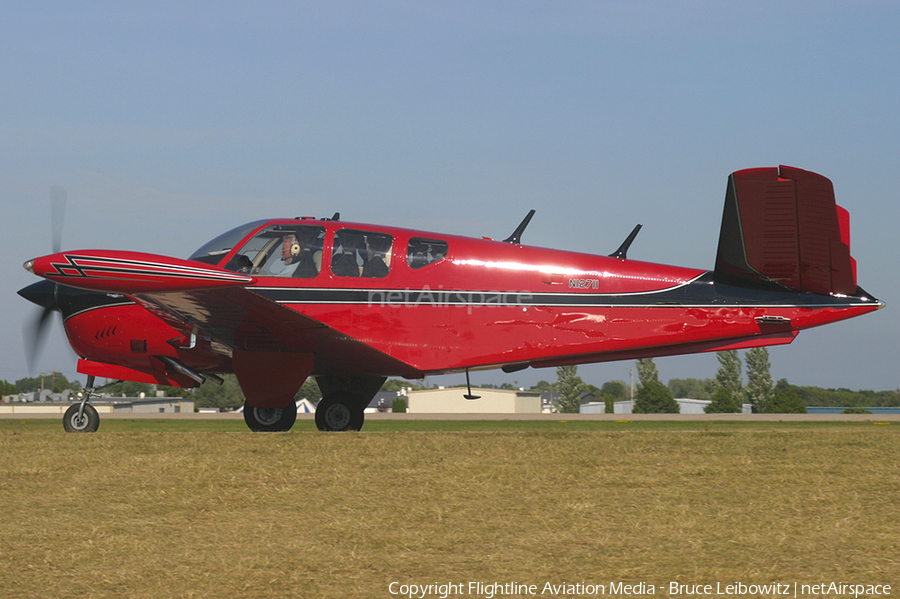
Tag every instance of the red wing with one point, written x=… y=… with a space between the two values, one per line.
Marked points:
x=242 y=319
x=191 y=297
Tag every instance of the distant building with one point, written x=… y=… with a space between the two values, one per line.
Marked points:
x=593 y=407
x=688 y=406
x=383 y=402
x=40 y=396
x=549 y=398
x=103 y=405
x=491 y=401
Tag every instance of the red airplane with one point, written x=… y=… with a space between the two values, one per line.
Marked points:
x=277 y=301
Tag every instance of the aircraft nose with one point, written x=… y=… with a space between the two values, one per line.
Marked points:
x=42 y=293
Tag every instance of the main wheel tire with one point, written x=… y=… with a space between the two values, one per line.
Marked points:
x=89 y=421
x=270 y=420
x=338 y=414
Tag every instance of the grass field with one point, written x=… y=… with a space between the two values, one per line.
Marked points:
x=182 y=508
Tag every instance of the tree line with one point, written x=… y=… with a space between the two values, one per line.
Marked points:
x=56 y=382
x=726 y=391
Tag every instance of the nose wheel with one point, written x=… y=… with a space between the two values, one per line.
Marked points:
x=82 y=417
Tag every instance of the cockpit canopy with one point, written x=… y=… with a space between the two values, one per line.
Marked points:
x=296 y=249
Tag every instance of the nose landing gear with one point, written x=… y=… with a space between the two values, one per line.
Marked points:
x=82 y=417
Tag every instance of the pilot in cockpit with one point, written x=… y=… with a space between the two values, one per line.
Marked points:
x=290 y=249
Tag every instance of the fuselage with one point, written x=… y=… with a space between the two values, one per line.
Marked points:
x=427 y=302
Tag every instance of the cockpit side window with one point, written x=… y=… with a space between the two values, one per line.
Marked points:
x=282 y=251
x=422 y=252
x=361 y=254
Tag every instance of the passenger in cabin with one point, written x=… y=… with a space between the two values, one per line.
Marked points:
x=344 y=261
x=361 y=254
x=378 y=248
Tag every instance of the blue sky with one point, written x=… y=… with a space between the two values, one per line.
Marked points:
x=170 y=122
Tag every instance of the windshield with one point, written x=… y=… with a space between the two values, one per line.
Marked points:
x=213 y=251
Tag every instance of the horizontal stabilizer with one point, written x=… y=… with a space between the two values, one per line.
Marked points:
x=781 y=226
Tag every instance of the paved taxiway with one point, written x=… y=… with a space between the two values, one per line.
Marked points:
x=548 y=417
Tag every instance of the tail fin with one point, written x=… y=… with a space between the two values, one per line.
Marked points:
x=781 y=226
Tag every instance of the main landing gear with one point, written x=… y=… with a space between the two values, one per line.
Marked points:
x=344 y=400
x=82 y=417
x=339 y=413
x=270 y=420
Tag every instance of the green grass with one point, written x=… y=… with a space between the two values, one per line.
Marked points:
x=184 y=425
x=142 y=509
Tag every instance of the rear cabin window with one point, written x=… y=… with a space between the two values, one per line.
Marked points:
x=282 y=251
x=361 y=254
x=422 y=252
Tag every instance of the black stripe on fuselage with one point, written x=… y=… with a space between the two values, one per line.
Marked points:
x=701 y=292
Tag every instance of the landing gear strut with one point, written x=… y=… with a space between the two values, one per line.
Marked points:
x=82 y=417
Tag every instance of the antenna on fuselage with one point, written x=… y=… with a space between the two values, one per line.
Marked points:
x=516 y=237
x=469 y=385
x=623 y=249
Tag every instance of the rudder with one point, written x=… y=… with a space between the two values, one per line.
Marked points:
x=781 y=226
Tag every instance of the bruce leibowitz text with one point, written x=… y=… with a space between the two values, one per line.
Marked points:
x=490 y=590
